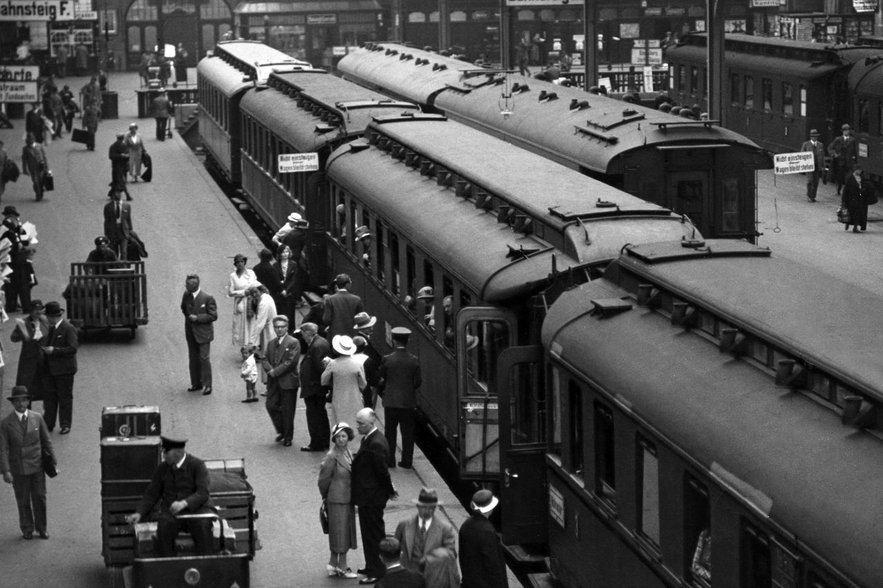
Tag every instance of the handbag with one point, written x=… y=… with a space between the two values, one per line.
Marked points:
x=48 y=181
x=843 y=215
x=147 y=162
x=323 y=516
x=49 y=464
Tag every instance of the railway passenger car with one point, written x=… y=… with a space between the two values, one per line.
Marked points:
x=222 y=79
x=866 y=91
x=496 y=232
x=695 y=168
x=301 y=112
x=775 y=91
x=693 y=395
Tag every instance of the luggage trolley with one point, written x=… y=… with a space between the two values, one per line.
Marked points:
x=106 y=295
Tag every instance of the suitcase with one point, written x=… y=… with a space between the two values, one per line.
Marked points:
x=80 y=136
x=130 y=421
x=145 y=540
x=48 y=181
x=127 y=459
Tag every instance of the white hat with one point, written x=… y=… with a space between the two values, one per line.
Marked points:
x=343 y=344
x=294 y=217
x=484 y=501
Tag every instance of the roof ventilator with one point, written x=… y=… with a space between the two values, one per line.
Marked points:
x=547 y=96
x=427 y=168
x=649 y=296
x=483 y=200
x=412 y=159
x=609 y=307
x=578 y=104
x=684 y=315
x=858 y=412
x=505 y=214
x=523 y=224
x=520 y=88
x=520 y=253
x=443 y=177
x=791 y=374
x=439 y=67
x=463 y=188
x=732 y=341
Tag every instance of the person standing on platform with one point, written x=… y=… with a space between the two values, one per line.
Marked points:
x=346 y=377
x=482 y=560
x=200 y=311
x=91 y=93
x=61 y=55
x=400 y=378
x=180 y=485
x=856 y=197
x=241 y=278
x=70 y=107
x=118 y=153
x=118 y=224
x=60 y=365
x=364 y=326
x=28 y=332
x=340 y=308
x=293 y=233
x=18 y=283
x=316 y=349
x=81 y=54
x=397 y=575
x=23 y=439
x=429 y=543
x=34 y=163
x=280 y=365
x=818 y=155
x=161 y=109
x=136 y=148
x=266 y=272
x=102 y=251
x=260 y=323
x=91 y=115
x=181 y=56
x=844 y=152
x=335 y=486
x=372 y=488
x=34 y=123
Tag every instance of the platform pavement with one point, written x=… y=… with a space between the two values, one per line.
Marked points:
x=175 y=165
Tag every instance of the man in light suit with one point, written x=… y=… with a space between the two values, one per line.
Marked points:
x=372 y=488
x=429 y=543
x=399 y=379
x=818 y=155
x=60 y=346
x=340 y=308
x=23 y=438
x=200 y=311
x=118 y=224
x=280 y=365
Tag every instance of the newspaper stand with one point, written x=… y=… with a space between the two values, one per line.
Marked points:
x=107 y=295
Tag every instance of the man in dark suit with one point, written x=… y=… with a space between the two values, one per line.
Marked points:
x=844 y=152
x=371 y=489
x=341 y=307
x=482 y=561
x=399 y=379
x=280 y=365
x=118 y=153
x=429 y=543
x=316 y=348
x=268 y=275
x=23 y=438
x=397 y=575
x=200 y=311
x=60 y=346
x=161 y=109
x=818 y=155
x=118 y=224
x=364 y=326
x=180 y=485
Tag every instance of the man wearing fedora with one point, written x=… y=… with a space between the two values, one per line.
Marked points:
x=280 y=365
x=180 y=485
x=341 y=307
x=482 y=560
x=429 y=543
x=844 y=152
x=363 y=236
x=315 y=349
x=118 y=153
x=18 y=283
x=23 y=439
x=200 y=311
x=364 y=326
x=60 y=350
x=118 y=224
x=399 y=380
x=815 y=147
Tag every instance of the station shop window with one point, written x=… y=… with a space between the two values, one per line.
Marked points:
x=575 y=434
x=605 y=455
x=697 y=532
x=648 y=491
x=787 y=99
x=748 y=92
x=767 y=94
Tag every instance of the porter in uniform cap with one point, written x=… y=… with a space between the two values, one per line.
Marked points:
x=400 y=333
x=168 y=443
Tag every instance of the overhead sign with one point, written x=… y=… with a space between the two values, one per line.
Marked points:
x=42 y=10
x=794 y=163
x=764 y=3
x=298 y=162
x=19 y=73
x=19 y=84
x=865 y=5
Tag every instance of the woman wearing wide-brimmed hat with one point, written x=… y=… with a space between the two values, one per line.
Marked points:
x=335 y=484
x=240 y=279
x=346 y=376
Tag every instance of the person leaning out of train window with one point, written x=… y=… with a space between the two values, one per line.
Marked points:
x=363 y=237
x=857 y=195
x=844 y=153
x=701 y=566
x=818 y=155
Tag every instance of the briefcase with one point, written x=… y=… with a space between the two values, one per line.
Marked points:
x=80 y=136
x=48 y=181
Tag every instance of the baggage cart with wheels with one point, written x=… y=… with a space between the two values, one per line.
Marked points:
x=107 y=295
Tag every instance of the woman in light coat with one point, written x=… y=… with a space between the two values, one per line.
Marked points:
x=335 y=485
x=136 y=148
x=240 y=279
x=346 y=376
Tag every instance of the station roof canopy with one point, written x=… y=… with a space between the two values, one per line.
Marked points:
x=261 y=8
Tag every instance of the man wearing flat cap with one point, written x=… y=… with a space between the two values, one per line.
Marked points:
x=60 y=346
x=180 y=485
x=482 y=560
x=429 y=543
x=844 y=151
x=399 y=379
x=815 y=147
x=23 y=439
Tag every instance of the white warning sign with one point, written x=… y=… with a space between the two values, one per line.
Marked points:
x=298 y=162
x=793 y=163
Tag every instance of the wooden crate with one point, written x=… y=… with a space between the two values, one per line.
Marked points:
x=117 y=536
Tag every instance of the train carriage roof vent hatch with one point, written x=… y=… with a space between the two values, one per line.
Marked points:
x=858 y=412
x=576 y=104
x=519 y=88
x=325 y=128
x=547 y=96
x=684 y=315
x=521 y=252
x=607 y=307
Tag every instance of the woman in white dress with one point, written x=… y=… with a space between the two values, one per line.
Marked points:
x=240 y=279
x=260 y=324
x=346 y=376
x=136 y=149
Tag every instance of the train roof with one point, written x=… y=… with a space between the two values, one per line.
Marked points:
x=438 y=182
x=866 y=76
x=311 y=109
x=254 y=59
x=223 y=76
x=587 y=130
x=785 y=455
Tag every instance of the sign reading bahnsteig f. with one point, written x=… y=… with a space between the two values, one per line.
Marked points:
x=18 y=83
x=793 y=163
x=36 y=10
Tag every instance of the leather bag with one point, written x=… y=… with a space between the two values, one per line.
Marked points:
x=843 y=215
x=323 y=517
x=48 y=465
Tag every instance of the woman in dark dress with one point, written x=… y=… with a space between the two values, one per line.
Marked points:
x=856 y=197
x=287 y=272
x=28 y=332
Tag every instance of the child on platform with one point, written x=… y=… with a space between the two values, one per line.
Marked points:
x=249 y=372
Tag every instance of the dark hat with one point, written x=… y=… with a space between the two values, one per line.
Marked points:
x=101 y=239
x=35 y=305
x=121 y=135
x=844 y=128
x=814 y=133
x=168 y=443
x=53 y=309
x=400 y=333
x=239 y=257
x=363 y=321
x=484 y=501
x=427 y=497
x=340 y=428
x=10 y=211
x=19 y=393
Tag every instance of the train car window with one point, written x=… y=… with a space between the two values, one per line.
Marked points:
x=731 y=213
x=787 y=99
x=648 y=491
x=671 y=78
x=395 y=277
x=694 y=80
x=697 y=532
x=410 y=275
x=380 y=234
x=767 y=85
x=555 y=413
x=682 y=78
x=352 y=221
x=605 y=471
x=864 y=116
x=425 y=303
x=755 y=567
x=802 y=100
x=786 y=566
x=449 y=311
x=485 y=340
x=274 y=157
x=734 y=88
x=575 y=432
x=748 y=92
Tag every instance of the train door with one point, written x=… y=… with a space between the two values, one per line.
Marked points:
x=522 y=402
x=689 y=193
